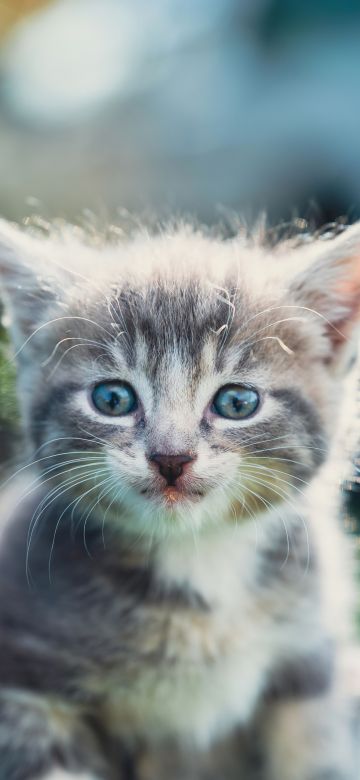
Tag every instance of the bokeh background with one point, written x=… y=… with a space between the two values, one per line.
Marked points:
x=187 y=105
x=205 y=107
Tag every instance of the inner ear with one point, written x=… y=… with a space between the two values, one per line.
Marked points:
x=330 y=287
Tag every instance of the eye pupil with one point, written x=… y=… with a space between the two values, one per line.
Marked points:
x=115 y=399
x=236 y=402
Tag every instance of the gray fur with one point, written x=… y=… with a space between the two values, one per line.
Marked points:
x=104 y=592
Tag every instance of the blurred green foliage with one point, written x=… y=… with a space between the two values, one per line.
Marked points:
x=8 y=403
x=358 y=610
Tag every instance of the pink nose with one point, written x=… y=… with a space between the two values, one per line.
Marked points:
x=171 y=466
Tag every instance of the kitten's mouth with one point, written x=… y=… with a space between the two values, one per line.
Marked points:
x=172 y=495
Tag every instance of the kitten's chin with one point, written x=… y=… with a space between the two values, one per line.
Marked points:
x=149 y=514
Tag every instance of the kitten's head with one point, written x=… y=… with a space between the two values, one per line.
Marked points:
x=175 y=380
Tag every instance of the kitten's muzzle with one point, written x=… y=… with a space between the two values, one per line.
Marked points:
x=171 y=467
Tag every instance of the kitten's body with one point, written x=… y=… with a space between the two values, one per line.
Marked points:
x=134 y=613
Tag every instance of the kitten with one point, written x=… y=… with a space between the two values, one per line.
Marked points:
x=173 y=570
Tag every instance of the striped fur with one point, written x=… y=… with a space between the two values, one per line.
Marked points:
x=129 y=616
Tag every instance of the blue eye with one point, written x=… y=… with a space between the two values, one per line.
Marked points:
x=236 y=402
x=114 y=398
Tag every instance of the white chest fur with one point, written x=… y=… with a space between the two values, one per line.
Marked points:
x=214 y=663
x=191 y=702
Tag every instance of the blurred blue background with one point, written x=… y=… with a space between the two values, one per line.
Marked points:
x=190 y=106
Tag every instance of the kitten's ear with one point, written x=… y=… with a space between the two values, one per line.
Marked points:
x=330 y=286
x=27 y=281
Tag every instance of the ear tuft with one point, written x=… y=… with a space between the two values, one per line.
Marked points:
x=25 y=284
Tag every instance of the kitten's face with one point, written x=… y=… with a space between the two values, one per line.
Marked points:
x=167 y=400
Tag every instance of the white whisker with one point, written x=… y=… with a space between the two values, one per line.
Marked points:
x=84 y=341
x=59 y=319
